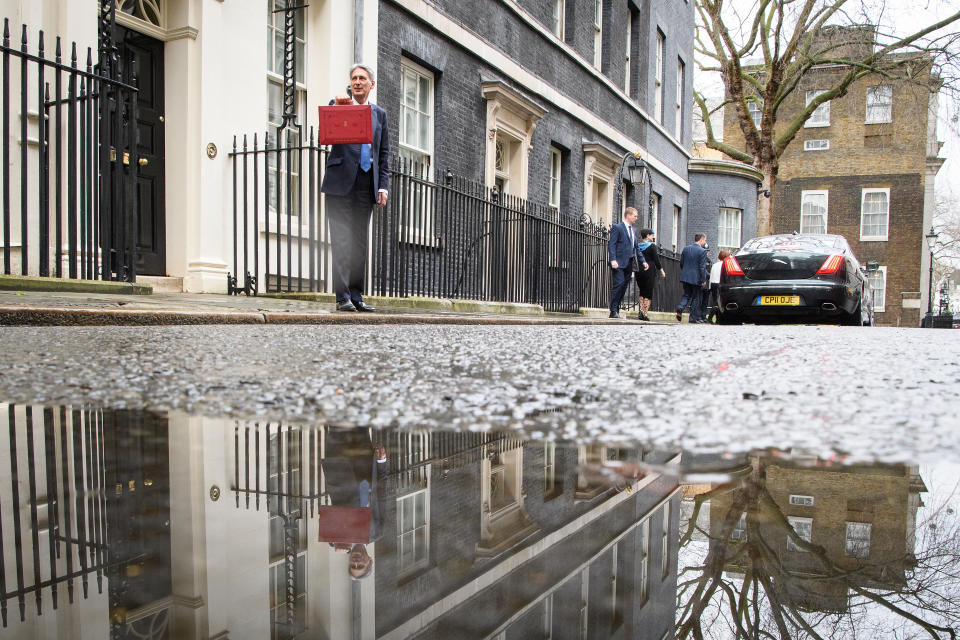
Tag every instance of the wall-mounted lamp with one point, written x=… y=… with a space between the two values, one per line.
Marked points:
x=635 y=169
x=763 y=192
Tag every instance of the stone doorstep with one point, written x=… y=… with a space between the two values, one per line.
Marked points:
x=162 y=284
x=70 y=285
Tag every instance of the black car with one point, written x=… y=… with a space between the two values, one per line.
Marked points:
x=795 y=277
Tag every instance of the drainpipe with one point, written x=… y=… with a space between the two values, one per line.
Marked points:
x=358 y=31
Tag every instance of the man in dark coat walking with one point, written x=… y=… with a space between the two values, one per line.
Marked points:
x=693 y=277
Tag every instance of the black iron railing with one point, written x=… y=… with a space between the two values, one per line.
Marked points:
x=56 y=505
x=69 y=188
x=439 y=236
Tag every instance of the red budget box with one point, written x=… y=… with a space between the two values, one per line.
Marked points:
x=345 y=124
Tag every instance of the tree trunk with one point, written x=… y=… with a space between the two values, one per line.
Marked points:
x=765 y=200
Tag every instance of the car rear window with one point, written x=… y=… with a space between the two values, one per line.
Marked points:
x=791 y=243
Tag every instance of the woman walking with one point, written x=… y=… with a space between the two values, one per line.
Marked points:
x=712 y=310
x=647 y=245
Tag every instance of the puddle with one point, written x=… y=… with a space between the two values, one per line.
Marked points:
x=131 y=524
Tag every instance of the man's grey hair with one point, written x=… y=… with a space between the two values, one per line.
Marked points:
x=365 y=67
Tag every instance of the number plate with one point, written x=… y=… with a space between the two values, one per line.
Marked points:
x=778 y=301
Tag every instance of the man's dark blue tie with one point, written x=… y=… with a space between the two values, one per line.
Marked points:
x=365 y=157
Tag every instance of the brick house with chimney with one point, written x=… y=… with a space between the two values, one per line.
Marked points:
x=863 y=166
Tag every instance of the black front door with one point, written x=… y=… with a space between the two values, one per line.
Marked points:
x=145 y=55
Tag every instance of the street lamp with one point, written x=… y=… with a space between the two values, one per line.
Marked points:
x=634 y=171
x=931 y=243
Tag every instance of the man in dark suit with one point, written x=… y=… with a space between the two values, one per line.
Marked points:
x=693 y=277
x=624 y=258
x=357 y=177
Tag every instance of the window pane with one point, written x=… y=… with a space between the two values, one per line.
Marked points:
x=813 y=217
x=874 y=214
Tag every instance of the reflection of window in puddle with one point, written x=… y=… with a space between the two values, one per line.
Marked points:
x=803 y=527
x=504 y=480
x=858 y=539
x=411 y=450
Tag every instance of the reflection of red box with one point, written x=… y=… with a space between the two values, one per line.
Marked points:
x=346 y=124
x=344 y=524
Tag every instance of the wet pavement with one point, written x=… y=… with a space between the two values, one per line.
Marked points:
x=546 y=477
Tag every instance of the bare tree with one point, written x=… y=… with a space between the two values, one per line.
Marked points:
x=746 y=587
x=763 y=55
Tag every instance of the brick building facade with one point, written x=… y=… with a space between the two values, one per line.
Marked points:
x=863 y=166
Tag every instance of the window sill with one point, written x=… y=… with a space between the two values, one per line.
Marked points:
x=815 y=125
x=874 y=238
x=868 y=122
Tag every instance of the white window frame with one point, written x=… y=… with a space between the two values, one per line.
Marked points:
x=597 y=33
x=556 y=177
x=559 y=18
x=409 y=532
x=855 y=545
x=675 y=234
x=658 y=79
x=826 y=209
x=801 y=501
x=626 y=60
x=549 y=468
x=644 y=577
x=879 y=104
x=418 y=227
x=413 y=149
x=821 y=115
x=728 y=232
x=678 y=107
x=665 y=543
x=886 y=215
x=739 y=531
x=816 y=145
x=756 y=113
x=801 y=526
x=881 y=275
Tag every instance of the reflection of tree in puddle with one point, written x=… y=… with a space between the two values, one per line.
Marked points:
x=818 y=551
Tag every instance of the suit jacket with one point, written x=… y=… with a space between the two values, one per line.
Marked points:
x=349 y=461
x=343 y=161
x=620 y=248
x=693 y=264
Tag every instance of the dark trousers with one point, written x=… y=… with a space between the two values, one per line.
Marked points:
x=691 y=296
x=711 y=307
x=619 y=280
x=349 y=218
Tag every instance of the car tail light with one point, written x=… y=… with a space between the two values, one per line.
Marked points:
x=831 y=265
x=732 y=267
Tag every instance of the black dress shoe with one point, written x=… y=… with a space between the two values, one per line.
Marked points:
x=363 y=306
x=614 y=315
x=642 y=316
x=346 y=306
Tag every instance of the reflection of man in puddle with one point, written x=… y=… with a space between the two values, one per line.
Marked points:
x=355 y=472
x=360 y=562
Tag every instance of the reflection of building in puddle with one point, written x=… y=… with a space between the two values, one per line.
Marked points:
x=831 y=528
x=84 y=522
x=187 y=527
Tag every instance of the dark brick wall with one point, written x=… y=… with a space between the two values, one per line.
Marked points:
x=455 y=531
x=461 y=110
x=899 y=253
x=709 y=192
